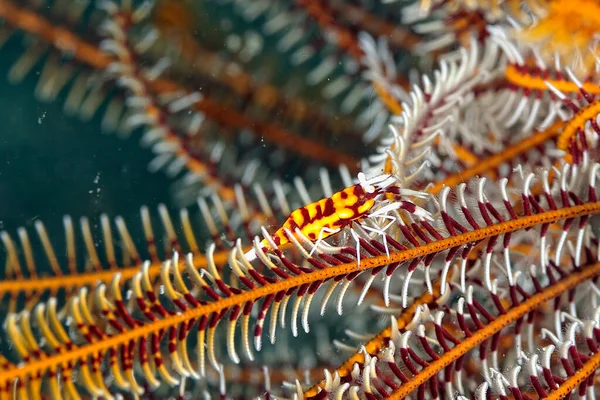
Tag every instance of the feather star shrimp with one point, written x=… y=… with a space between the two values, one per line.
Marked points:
x=330 y=215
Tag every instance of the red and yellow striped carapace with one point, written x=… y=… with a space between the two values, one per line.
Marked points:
x=330 y=215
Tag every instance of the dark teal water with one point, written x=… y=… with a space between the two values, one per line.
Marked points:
x=52 y=164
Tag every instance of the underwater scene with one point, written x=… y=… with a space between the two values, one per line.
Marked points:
x=302 y=199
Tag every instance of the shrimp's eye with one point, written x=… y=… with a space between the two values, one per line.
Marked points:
x=367 y=187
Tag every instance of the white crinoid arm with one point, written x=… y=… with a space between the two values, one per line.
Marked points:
x=381 y=72
x=419 y=139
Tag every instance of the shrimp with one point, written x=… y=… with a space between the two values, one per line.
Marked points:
x=325 y=217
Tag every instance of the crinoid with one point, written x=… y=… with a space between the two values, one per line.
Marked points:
x=460 y=259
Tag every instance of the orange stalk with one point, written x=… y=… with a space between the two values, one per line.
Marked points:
x=80 y=353
x=377 y=342
x=69 y=43
x=532 y=303
x=174 y=19
x=92 y=278
x=529 y=81
x=398 y=36
x=489 y=163
x=572 y=382
x=577 y=123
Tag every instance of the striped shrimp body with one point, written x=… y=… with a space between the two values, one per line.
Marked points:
x=330 y=215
